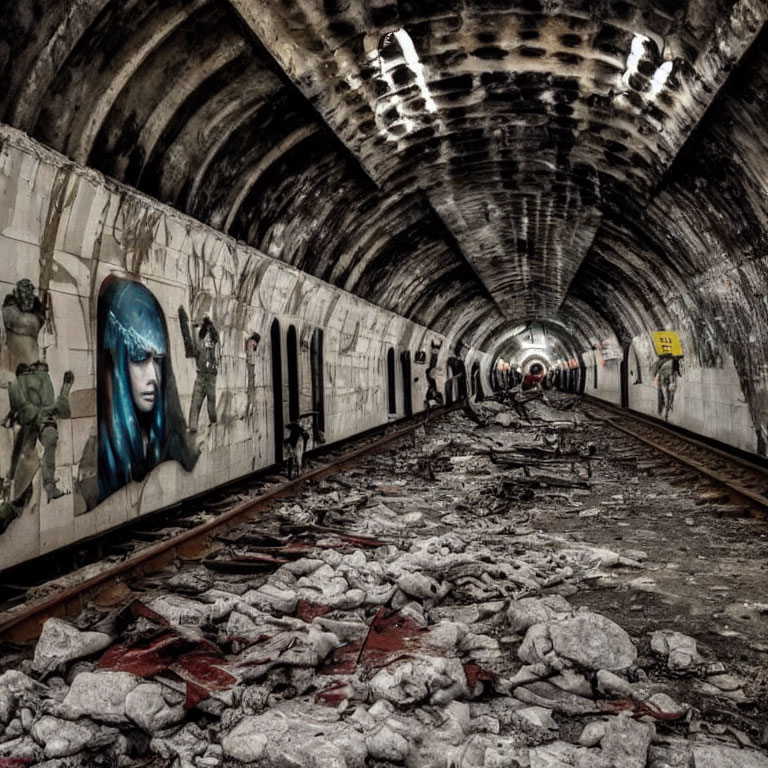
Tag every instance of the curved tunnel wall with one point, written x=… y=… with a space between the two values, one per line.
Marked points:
x=694 y=261
x=70 y=231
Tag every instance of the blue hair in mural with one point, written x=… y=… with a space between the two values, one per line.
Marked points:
x=139 y=414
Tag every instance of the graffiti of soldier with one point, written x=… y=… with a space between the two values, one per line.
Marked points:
x=667 y=373
x=139 y=413
x=205 y=349
x=34 y=406
x=23 y=317
x=251 y=347
x=36 y=409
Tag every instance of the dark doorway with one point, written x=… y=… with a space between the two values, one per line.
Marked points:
x=595 y=380
x=405 y=361
x=293 y=374
x=391 y=383
x=277 y=389
x=456 y=381
x=624 y=376
x=316 y=367
x=477 y=384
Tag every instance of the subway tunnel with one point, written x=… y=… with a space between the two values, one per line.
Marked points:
x=468 y=166
x=257 y=211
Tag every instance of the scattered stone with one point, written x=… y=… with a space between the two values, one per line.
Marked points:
x=100 y=695
x=680 y=650
x=544 y=694
x=61 y=643
x=611 y=684
x=719 y=756
x=726 y=682
x=625 y=743
x=524 y=613
x=184 y=746
x=296 y=734
x=351 y=655
x=560 y=754
x=154 y=707
x=588 y=640
x=61 y=738
x=181 y=611
x=535 y=717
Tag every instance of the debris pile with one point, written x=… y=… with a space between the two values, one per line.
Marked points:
x=387 y=617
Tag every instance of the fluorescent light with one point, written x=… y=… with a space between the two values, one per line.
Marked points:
x=415 y=65
x=636 y=52
x=660 y=77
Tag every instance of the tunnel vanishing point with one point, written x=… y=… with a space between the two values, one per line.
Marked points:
x=219 y=215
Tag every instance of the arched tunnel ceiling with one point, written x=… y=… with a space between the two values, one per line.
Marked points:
x=467 y=163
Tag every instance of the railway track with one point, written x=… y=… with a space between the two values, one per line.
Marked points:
x=186 y=531
x=746 y=480
x=31 y=594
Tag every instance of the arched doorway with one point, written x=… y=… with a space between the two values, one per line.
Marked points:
x=624 y=375
x=316 y=368
x=292 y=349
x=405 y=361
x=477 y=384
x=391 y=383
x=456 y=380
x=277 y=389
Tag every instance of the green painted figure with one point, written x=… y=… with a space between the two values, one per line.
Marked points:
x=23 y=317
x=205 y=350
x=36 y=409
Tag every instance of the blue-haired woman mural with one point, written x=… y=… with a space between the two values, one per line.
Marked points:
x=140 y=419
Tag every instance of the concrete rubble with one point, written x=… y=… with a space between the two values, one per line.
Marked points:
x=397 y=620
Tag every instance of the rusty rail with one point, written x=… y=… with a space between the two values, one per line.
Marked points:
x=24 y=625
x=732 y=485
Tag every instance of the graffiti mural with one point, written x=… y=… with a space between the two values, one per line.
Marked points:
x=23 y=318
x=140 y=422
x=206 y=351
x=667 y=369
x=34 y=408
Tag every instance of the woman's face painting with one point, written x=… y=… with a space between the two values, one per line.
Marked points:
x=145 y=377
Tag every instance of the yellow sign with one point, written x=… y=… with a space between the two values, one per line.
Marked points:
x=667 y=343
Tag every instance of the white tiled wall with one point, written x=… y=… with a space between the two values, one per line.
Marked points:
x=108 y=229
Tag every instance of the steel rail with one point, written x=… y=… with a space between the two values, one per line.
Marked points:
x=25 y=624
x=712 y=474
x=679 y=433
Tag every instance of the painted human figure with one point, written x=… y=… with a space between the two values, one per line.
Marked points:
x=205 y=350
x=23 y=317
x=667 y=373
x=534 y=378
x=139 y=413
x=433 y=398
x=35 y=407
x=251 y=348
